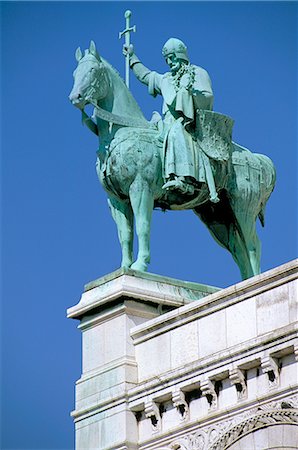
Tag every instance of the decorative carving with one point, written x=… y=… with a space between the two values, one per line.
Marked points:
x=261 y=420
x=217 y=437
x=178 y=398
x=238 y=379
x=196 y=441
x=208 y=391
x=152 y=413
x=270 y=366
x=288 y=402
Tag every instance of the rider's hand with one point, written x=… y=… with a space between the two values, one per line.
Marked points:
x=128 y=50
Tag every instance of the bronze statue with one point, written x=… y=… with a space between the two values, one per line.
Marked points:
x=186 y=161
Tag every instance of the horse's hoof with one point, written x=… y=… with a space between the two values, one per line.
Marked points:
x=126 y=265
x=141 y=267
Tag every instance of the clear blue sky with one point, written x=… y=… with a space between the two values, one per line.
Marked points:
x=57 y=232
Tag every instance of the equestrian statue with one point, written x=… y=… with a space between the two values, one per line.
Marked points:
x=183 y=160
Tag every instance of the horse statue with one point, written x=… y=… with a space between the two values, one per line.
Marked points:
x=130 y=168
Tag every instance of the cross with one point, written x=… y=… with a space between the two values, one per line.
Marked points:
x=126 y=33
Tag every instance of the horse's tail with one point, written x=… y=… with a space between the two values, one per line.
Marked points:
x=261 y=215
x=268 y=179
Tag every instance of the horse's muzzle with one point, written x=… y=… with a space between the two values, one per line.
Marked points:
x=77 y=100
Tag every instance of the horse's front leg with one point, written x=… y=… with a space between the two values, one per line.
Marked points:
x=142 y=201
x=123 y=216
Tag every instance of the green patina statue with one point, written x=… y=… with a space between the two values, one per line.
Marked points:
x=187 y=160
x=186 y=90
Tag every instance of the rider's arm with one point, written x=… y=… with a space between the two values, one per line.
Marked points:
x=141 y=72
x=150 y=78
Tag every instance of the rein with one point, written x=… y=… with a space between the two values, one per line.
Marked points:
x=113 y=118
x=118 y=120
x=86 y=120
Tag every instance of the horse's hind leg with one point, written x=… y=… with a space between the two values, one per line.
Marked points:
x=141 y=199
x=225 y=229
x=123 y=216
x=247 y=223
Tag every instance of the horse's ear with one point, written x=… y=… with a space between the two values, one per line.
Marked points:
x=92 y=48
x=93 y=51
x=78 y=54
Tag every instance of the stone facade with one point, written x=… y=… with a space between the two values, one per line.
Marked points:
x=171 y=365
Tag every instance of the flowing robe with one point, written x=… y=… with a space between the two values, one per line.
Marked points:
x=182 y=155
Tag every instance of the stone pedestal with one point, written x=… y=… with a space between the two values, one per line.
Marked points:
x=170 y=365
x=109 y=308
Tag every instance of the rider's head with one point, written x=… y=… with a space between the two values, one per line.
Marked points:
x=175 y=53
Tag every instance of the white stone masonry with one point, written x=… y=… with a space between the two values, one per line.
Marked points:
x=171 y=365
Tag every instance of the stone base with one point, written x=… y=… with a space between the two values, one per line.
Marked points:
x=174 y=365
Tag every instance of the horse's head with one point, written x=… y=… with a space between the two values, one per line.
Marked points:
x=91 y=81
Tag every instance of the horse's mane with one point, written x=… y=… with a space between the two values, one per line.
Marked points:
x=116 y=78
x=110 y=67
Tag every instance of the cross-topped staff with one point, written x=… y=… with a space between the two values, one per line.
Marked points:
x=126 y=33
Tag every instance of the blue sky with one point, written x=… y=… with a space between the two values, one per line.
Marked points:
x=57 y=232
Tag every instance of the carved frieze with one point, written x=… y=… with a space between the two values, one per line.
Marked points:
x=219 y=436
x=260 y=420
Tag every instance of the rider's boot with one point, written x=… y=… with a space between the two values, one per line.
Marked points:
x=180 y=184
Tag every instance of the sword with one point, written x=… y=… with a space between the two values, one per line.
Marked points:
x=126 y=33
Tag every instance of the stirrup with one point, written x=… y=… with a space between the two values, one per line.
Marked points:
x=182 y=186
x=214 y=198
x=170 y=185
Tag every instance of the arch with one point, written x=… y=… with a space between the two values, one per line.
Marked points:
x=277 y=427
x=274 y=437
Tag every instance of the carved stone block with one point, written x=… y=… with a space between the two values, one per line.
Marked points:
x=270 y=367
x=238 y=379
x=152 y=413
x=178 y=398
x=208 y=390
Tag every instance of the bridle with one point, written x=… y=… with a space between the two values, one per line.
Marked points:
x=107 y=116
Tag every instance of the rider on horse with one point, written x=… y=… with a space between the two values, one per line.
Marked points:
x=186 y=91
x=131 y=168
